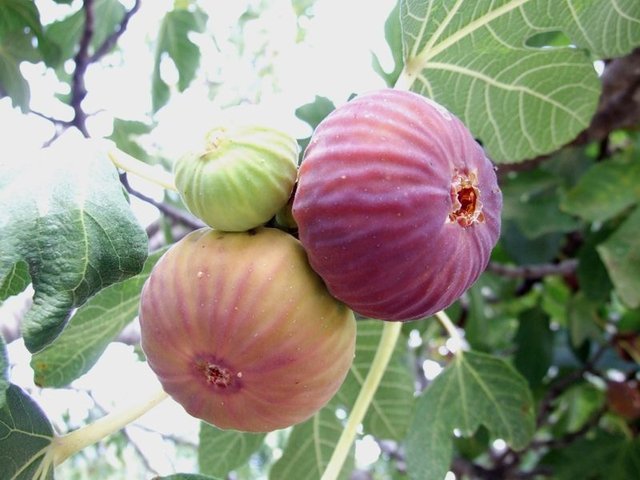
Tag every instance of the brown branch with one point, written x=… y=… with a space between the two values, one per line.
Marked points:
x=168 y=210
x=82 y=60
x=564 y=267
x=112 y=39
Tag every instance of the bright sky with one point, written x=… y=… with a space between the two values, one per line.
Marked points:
x=333 y=61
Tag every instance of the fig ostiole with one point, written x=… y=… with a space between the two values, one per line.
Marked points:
x=241 y=332
x=397 y=205
x=241 y=179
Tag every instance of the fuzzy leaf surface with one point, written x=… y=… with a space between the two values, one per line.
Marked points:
x=475 y=389
x=520 y=101
x=72 y=225
x=90 y=330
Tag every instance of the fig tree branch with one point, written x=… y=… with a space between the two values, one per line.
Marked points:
x=565 y=267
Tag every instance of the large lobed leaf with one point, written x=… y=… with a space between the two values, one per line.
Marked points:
x=221 y=451
x=392 y=406
x=90 y=330
x=310 y=447
x=25 y=437
x=71 y=223
x=473 y=57
x=475 y=389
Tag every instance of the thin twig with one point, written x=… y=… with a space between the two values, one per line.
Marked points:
x=565 y=267
x=112 y=39
x=167 y=210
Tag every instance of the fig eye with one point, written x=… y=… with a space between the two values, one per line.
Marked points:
x=466 y=206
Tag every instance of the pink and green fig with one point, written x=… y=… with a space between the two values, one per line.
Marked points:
x=241 y=179
x=397 y=205
x=242 y=333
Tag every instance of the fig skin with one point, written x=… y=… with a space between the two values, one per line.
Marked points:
x=397 y=205
x=242 y=333
x=242 y=178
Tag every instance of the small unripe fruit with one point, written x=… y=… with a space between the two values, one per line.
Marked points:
x=397 y=206
x=243 y=177
x=241 y=332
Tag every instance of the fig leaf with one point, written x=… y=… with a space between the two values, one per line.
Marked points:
x=310 y=447
x=90 y=330
x=474 y=389
x=520 y=101
x=65 y=214
x=221 y=451
x=392 y=406
x=25 y=435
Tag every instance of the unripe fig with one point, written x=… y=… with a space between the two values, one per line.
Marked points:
x=397 y=206
x=241 y=332
x=242 y=178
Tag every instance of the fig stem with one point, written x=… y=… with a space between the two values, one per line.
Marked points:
x=459 y=342
x=66 y=445
x=143 y=170
x=388 y=339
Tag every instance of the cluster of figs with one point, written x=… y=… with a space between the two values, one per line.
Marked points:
x=396 y=209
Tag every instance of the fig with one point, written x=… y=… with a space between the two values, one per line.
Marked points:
x=241 y=332
x=397 y=205
x=241 y=179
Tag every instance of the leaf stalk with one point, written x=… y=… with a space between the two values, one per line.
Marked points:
x=143 y=170
x=66 y=445
x=388 y=340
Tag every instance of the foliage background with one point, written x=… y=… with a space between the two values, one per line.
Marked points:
x=549 y=387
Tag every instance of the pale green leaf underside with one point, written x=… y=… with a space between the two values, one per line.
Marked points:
x=391 y=409
x=519 y=101
x=310 y=447
x=90 y=330
x=475 y=389
x=25 y=435
x=221 y=451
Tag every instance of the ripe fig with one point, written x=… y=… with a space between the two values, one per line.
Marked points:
x=241 y=332
x=397 y=205
x=242 y=178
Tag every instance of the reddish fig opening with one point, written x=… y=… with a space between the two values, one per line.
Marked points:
x=465 y=197
x=215 y=374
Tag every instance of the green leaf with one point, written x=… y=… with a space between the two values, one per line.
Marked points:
x=221 y=451
x=173 y=41
x=15 y=46
x=73 y=226
x=534 y=346
x=621 y=255
x=25 y=437
x=604 y=456
x=526 y=250
x=392 y=406
x=66 y=33
x=90 y=330
x=16 y=281
x=124 y=134
x=583 y=320
x=313 y=113
x=475 y=389
x=4 y=371
x=605 y=190
x=310 y=447
x=521 y=102
x=393 y=36
x=17 y=14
